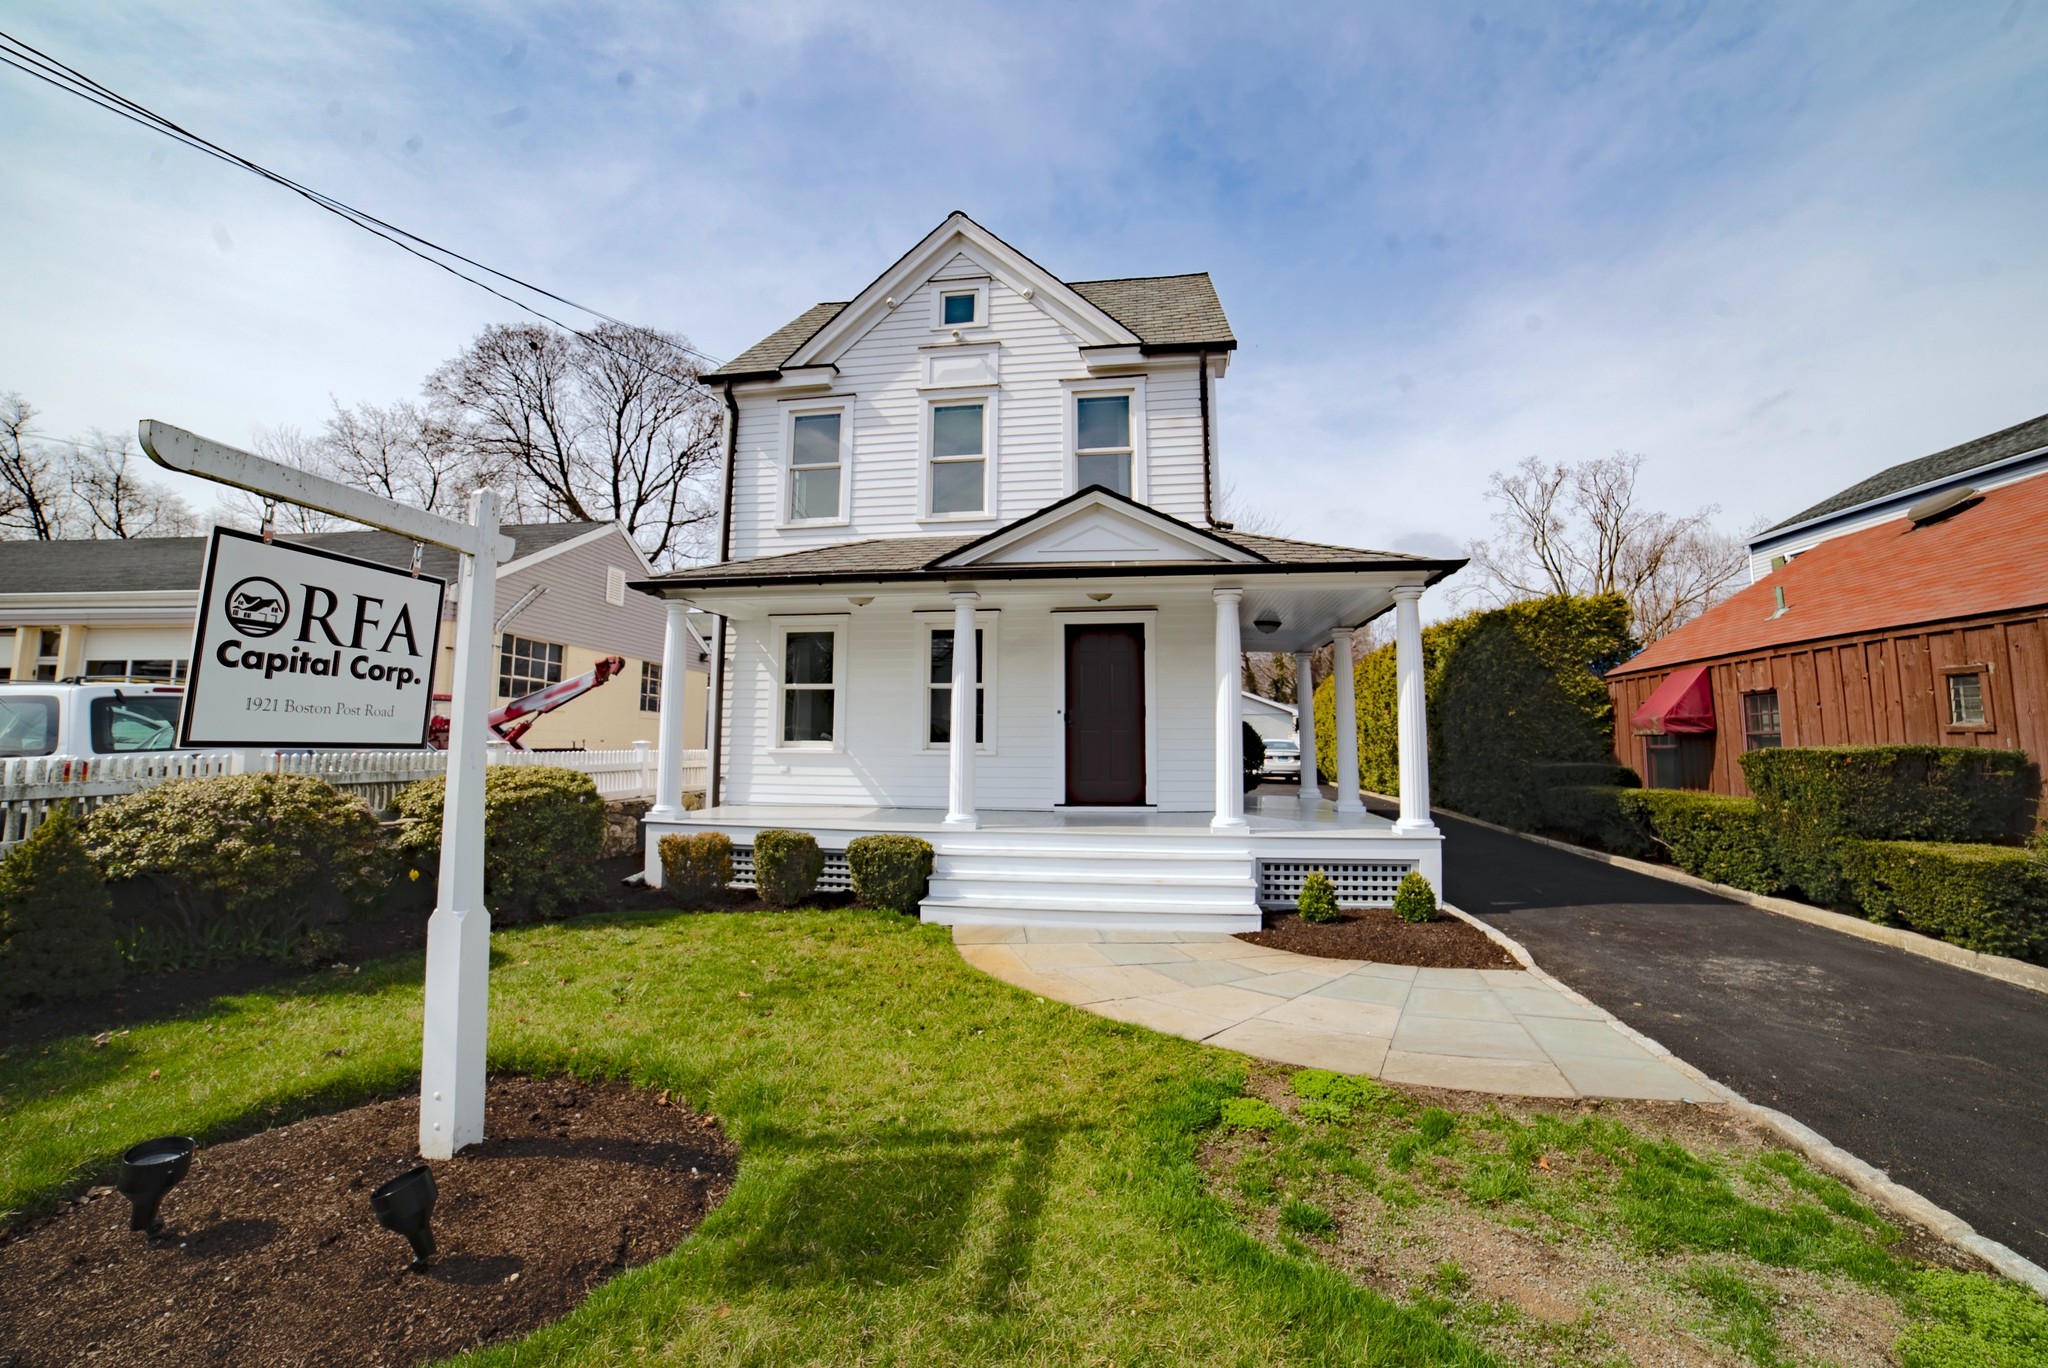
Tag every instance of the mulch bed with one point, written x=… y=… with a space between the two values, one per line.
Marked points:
x=271 y=1254
x=1376 y=934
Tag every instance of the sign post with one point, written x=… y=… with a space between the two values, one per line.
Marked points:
x=459 y=932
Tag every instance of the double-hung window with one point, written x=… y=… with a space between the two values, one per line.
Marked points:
x=816 y=469
x=811 y=673
x=525 y=665
x=650 y=687
x=959 y=460
x=1102 y=442
x=1760 y=726
x=939 y=722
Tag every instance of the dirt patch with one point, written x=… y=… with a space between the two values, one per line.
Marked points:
x=1376 y=934
x=272 y=1256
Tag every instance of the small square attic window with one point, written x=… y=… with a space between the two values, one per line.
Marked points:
x=959 y=308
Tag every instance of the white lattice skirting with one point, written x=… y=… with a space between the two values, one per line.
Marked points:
x=1359 y=883
x=837 y=878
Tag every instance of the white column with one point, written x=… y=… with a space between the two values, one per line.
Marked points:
x=459 y=932
x=1413 y=723
x=1305 y=724
x=1346 y=722
x=675 y=705
x=960 y=752
x=1229 y=709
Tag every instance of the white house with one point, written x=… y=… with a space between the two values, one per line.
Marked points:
x=974 y=586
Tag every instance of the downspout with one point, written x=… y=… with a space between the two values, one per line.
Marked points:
x=714 y=706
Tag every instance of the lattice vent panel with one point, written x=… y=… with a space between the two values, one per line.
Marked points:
x=837 y=878
x=1359 y=883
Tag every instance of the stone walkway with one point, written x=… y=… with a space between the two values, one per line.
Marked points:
x=1485 y=1030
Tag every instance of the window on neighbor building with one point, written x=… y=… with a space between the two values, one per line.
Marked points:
x=1102 y=442
x=958 y=307
x=814 y=465
x=167 y=670
x=959 y=458
x=49 y=649
x=650 y=687
x=810 y=687
x=939 y=722
x=1966 y=699
x=1760 y=728
x=525 y=665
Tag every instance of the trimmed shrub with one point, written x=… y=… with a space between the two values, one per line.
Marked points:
x=543 y=831
x=57 y=938
x=1897 y=793
x=1604 y=773
x=249 y=866
x=786 y=866
x=1594 y=814
x=695 y=867
x=1711 y=835
x=1415 y=900
x=890 y=871
x=1318 y=900
x=1982 y=897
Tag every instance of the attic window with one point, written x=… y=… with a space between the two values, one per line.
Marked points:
x=959 y=309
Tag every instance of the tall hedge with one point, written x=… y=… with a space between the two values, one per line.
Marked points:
x=57 y=939
x=543 y=833
x=1897 y=793
x=1508 y=689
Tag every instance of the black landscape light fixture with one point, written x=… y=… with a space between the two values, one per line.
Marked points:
x=403 y=1206
x=147 y=1172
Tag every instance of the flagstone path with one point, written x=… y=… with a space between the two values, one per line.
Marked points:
x=1485 y=1030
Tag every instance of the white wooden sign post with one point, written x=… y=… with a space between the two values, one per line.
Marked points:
x=459 y=933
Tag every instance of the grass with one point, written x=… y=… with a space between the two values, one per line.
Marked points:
x=937 y=1168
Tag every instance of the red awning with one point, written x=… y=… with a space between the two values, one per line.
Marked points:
x=1682 y=705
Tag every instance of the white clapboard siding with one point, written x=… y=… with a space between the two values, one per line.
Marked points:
x=31 y=789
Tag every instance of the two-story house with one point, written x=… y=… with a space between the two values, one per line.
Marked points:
x=975 y=585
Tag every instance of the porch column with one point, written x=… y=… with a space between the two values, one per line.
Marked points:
x=1305 y=724
x=1229 y=715
x=675 y=683
x=1413 y=726
x=1345 y=721
x=960 y=751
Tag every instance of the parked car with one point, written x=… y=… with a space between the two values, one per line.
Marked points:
x=1283 y=759
x=81 y=720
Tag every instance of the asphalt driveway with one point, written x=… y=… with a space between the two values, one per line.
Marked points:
x=1936 y=1075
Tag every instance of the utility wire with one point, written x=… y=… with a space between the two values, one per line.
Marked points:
x=34 y=62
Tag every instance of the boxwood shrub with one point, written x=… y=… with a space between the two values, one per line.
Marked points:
x=1983 y=897
x=1897 y=793
x=543 y=831
x=1593 y=813
x=1710 y=835
x=1318 y=900
x=1415 y=900
x=786 y=866
x=890 y=871
x=57 y=938
x=695 y=866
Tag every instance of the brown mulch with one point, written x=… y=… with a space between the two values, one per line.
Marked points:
x=1376 y=934
x=271 y=1254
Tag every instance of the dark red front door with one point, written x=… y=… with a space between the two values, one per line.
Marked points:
x=1106 y=715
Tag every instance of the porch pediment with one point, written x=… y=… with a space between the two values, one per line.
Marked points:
x=1095 y=527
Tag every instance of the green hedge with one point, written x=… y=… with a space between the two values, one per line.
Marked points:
x=695 y=866
x=1709 y=835
x=786 y=866
x=543 y=832
x=57 y=939
x=1983 y=897
x=1593 y=813
x=890 y=871
x=1898 y=793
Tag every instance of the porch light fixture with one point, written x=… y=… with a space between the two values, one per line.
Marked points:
x=861 y=600
x=1266 y=622
x=403 y=1206
x=147 y=1172
x=1100 y=598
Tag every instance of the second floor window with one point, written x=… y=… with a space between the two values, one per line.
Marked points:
x=1760 y=727
x=814 y=468
x=525 y=665
x=1102 y=442
x=959 y=459
x=650 y=687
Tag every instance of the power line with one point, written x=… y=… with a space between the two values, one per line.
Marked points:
x=34 y=62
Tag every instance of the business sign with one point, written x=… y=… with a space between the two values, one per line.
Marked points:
x=297 y=647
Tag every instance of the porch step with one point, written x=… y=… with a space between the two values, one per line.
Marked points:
x=1102 y=914
x=1132 y=881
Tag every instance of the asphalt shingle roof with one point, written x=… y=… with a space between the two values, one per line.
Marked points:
x=767 y=355
x=146 y=564
x=2016 y=440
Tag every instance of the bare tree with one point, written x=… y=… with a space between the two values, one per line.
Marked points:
x=111 y=501
x=414 y=454
x=610 y=425
x=1578 y=529
x=35 y=494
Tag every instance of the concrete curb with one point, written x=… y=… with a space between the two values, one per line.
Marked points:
x=2016 y=972
x=1864 y=1177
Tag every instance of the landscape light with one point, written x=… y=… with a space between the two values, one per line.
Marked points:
x=403 y=1206
x=147 y=1172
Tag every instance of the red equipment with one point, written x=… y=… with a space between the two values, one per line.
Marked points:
x=531 y=708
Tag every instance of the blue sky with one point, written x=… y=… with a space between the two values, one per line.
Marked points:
x=1771 y=247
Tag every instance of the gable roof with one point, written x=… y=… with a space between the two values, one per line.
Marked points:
x=1986 y=559
x=2018 y=440
x=1162 y=313
x=154 y=564
x=1094 y=505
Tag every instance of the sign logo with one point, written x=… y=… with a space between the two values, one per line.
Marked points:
x=257 y=606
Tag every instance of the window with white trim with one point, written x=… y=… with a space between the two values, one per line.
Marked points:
x=810 y=668
x=939 y=697
x=959 y=304
x=959 y=458
x=817 y=465
x=957 y=308
x=650 y=687
x=525 y=665
x=1102 y=442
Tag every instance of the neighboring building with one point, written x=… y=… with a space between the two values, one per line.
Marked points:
x=1272 y=721
x=1931 y=631
x=973 y=450
x=113 y=609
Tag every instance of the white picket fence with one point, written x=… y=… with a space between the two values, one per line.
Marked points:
x=31 y=789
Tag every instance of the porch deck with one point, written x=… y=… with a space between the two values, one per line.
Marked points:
x=1267 y=815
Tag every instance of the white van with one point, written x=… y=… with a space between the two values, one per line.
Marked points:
x=78 y=721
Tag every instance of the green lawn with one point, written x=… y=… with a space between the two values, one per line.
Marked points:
x=935 y=1167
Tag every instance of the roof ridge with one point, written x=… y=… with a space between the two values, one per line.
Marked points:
x=1124 y=280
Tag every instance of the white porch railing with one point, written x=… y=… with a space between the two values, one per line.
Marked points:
x=31 y=789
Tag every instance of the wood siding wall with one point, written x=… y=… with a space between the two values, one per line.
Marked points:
x=1870 y=690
